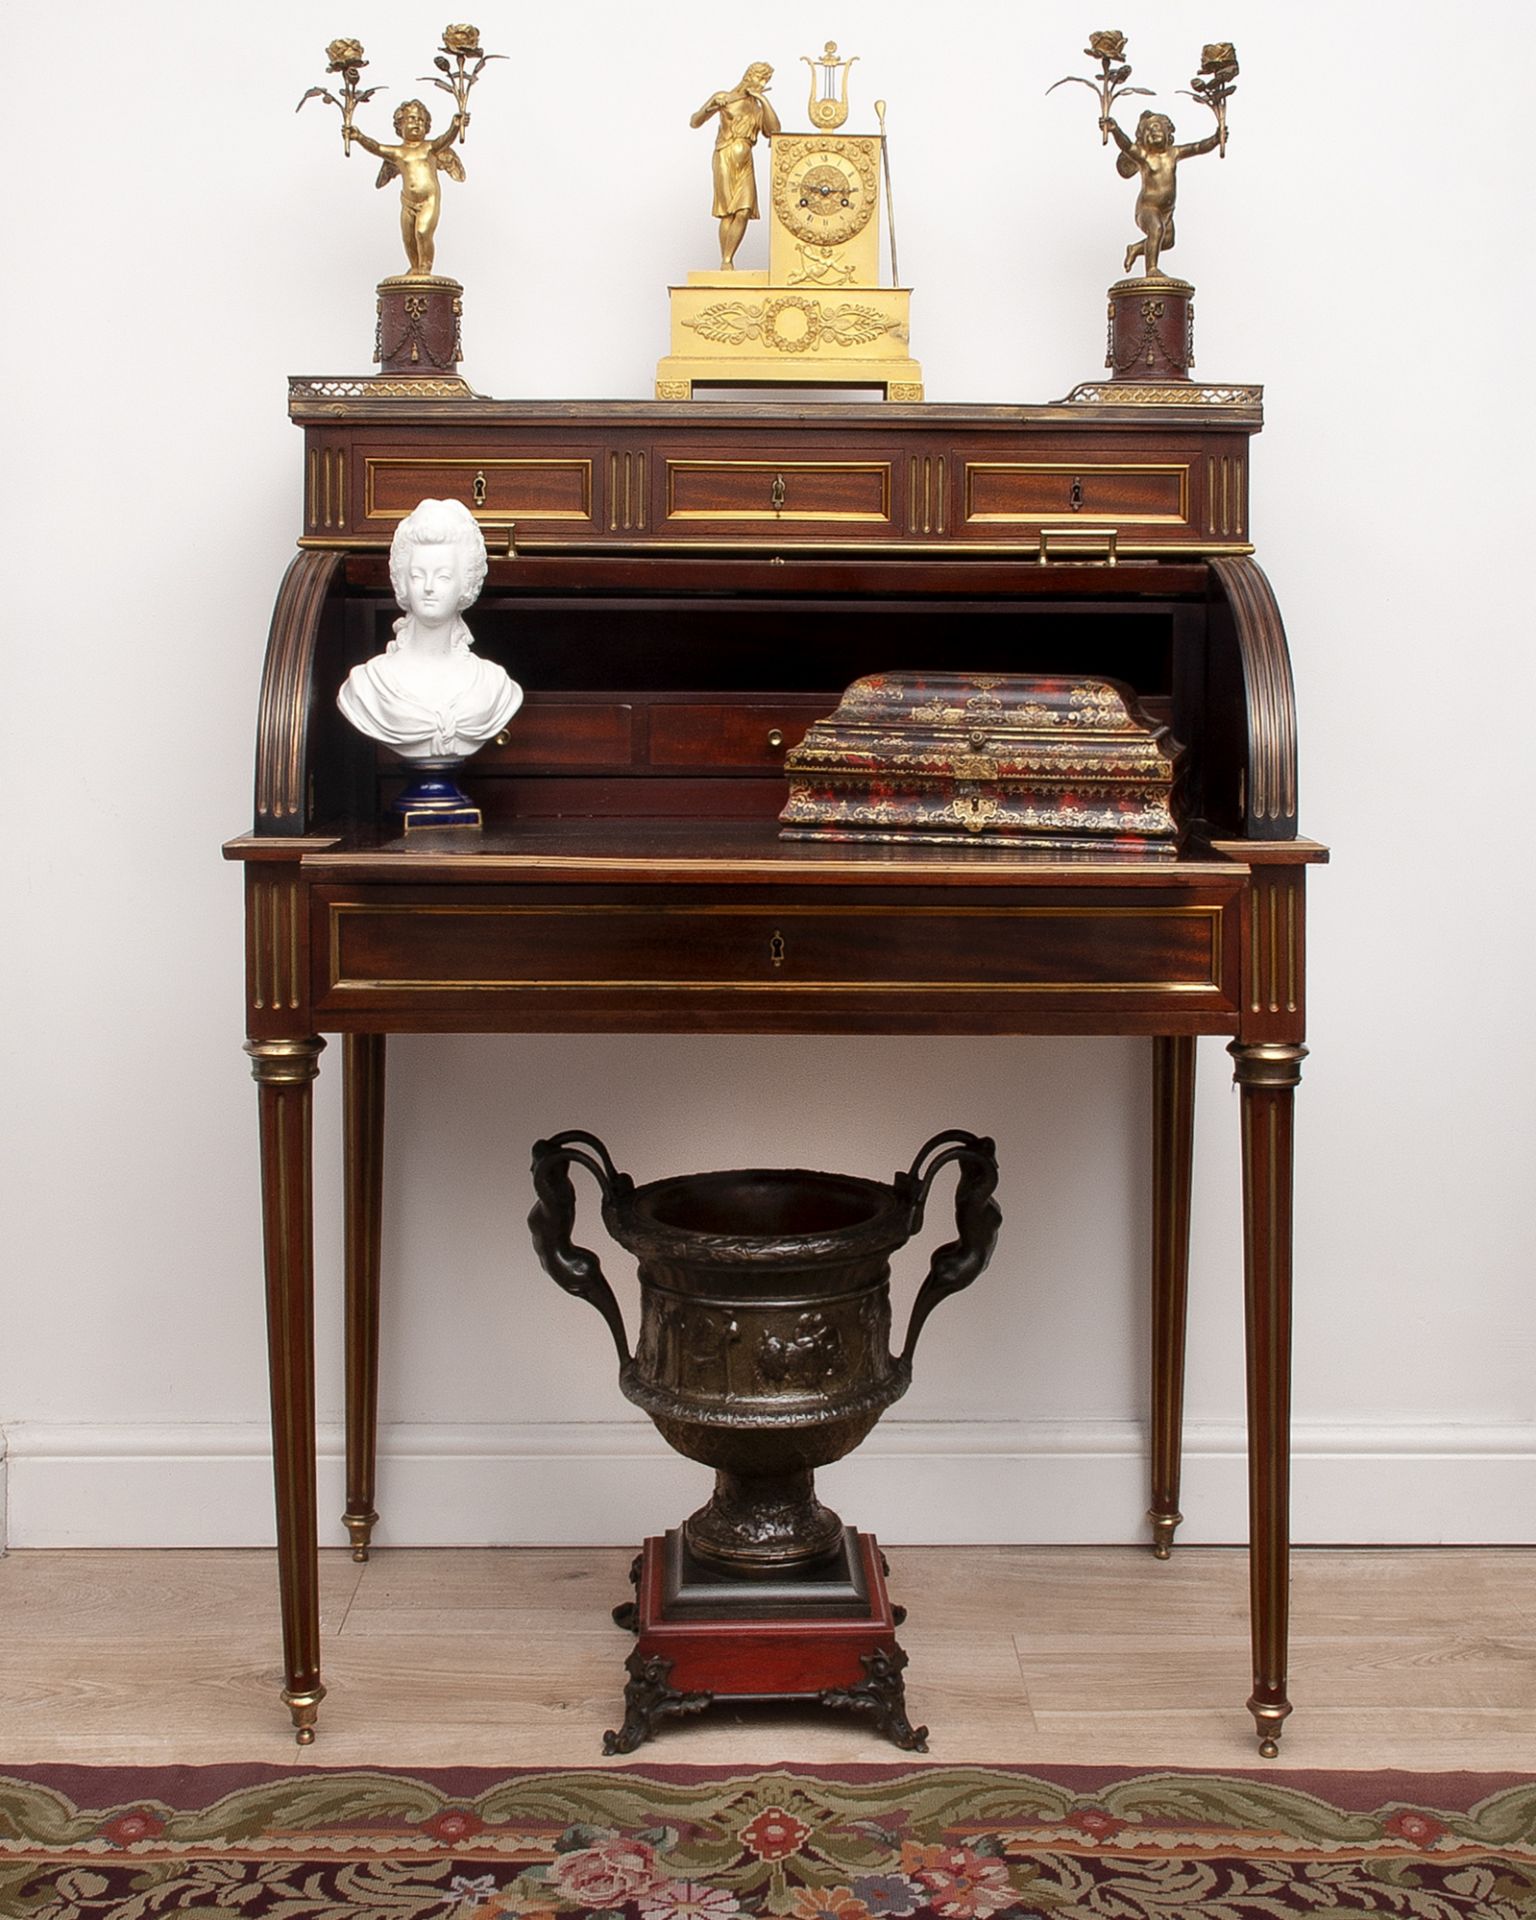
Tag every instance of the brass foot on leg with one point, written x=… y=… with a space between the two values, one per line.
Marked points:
x=305 y=1708
x=1164 y=1526
x=1270 y=1722
x=360 y=1526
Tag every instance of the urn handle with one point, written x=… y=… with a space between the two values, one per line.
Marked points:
x=577 y=1269
x=977 y=1218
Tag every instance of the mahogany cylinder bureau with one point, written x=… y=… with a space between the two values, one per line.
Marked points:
x=683 y=589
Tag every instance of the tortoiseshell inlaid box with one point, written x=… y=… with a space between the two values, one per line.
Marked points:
x=946 y=756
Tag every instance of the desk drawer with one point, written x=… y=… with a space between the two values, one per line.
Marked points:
x=438 y=950
x=840 y=494
x=737 y=733
x=1002 y=493
x=556 y=488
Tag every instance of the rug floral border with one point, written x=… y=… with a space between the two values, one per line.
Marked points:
x=928 y=1843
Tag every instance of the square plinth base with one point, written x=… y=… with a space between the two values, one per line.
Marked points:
x=414 y=818
x=692 y=1651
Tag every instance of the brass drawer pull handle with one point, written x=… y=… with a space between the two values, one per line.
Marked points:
x=775 y=737
x=1104 y=539
x=776 y=493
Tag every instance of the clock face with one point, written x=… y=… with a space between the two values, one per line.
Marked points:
x=824 y=189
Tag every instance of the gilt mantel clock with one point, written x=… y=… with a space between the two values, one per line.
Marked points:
x=819 y=316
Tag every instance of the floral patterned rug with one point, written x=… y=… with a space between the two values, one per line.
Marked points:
x=695 y=1843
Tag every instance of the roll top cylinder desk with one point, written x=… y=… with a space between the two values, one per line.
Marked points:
x=682 y=589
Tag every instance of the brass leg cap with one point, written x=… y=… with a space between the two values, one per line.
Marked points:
x=1164 y=1525
x=360 y=1527
x=305 y=1708
x=1270 y=1720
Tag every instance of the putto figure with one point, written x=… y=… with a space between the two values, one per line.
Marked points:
x=427 y=695
x=418 y=161
x=744 y=113
x=416 y=157
x=1153 y=155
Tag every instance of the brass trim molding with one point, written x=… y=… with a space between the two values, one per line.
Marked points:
x=1271 y=1064
x=769 y=550
x=1148 y=393
x=303 y=391
x=285 y=1063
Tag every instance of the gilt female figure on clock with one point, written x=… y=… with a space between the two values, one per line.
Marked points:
x=744 y=115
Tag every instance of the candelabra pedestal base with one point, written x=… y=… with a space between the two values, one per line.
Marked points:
x=1151 y=329
x=418 y=331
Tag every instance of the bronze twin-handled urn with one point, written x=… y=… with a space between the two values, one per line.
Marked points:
x=763 y=1352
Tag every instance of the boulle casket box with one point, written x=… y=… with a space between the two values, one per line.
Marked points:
x=944 y=756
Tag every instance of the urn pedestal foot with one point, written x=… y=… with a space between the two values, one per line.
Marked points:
x=833 y=1643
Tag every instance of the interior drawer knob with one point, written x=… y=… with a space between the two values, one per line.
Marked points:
x=775 y=736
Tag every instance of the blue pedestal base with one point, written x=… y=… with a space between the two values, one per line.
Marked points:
x=432 y=799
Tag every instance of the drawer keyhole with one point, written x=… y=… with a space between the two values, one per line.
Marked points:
x=1075 y=497
x=479 y=489
x=776 y=949
x=776 y=493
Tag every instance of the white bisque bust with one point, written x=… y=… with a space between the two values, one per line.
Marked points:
x=427 y=695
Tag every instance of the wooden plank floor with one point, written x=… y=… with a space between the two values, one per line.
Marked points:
x=1417 y=1659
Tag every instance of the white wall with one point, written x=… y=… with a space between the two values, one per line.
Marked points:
x=1364 y=251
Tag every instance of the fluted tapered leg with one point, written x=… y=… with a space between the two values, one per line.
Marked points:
x=284 y=1071
x=1173 y=1134
x=363 y=1107
x=1268 y=1074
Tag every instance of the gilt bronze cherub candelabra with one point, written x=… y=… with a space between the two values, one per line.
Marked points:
x=1151 y=318
x=419 y=311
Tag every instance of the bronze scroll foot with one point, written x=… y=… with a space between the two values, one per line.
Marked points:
x=883 y=1696
x=647 y=1699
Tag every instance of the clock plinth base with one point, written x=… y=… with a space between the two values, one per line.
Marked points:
x=741 y=330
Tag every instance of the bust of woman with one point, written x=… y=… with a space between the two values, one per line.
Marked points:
x=427 y=695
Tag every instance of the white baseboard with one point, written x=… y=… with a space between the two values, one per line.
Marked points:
x=910 y=1482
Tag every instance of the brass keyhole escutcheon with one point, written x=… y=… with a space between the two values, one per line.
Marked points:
x=1075 y=497
x=776 y=493
x=776 y=950
x=775 y=737
x=479 y=489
